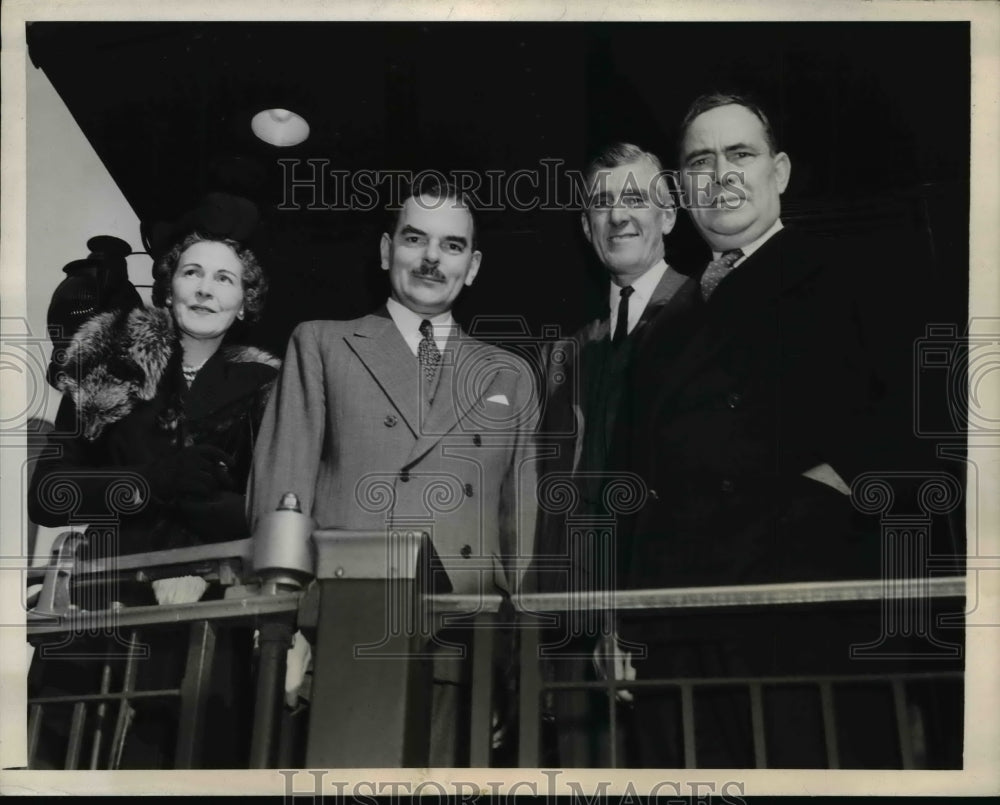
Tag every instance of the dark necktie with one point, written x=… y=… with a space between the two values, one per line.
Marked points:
x=427 y=351
x=716 y=271
x=621 y=328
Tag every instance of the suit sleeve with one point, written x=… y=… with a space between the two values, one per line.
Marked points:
x=558 y=443
x=519 y=492
x=293 y=431
x=857 y=431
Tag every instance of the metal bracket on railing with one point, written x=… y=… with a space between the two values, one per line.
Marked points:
x=54 y=600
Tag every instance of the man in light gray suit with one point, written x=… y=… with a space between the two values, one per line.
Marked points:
x=400 y=415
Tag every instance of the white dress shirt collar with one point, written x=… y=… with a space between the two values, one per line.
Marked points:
x=750 y=248
x=642 y=292
x=408 y=324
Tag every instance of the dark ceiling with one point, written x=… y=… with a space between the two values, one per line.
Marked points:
x=875 y=117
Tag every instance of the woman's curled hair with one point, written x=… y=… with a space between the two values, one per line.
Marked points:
x=254 y=281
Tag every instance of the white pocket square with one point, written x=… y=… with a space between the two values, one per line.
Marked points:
x=499 y=398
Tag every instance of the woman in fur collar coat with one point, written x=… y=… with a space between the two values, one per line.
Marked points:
x=154 y=437
x=158 y=417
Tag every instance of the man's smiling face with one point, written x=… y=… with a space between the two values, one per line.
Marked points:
x=628 y=214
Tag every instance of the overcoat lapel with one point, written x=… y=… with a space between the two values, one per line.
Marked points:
x=380 y=347
x=668 y=293
x=670 y=300
x=594 y=353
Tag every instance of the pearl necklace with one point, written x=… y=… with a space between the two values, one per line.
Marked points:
x=191 y=371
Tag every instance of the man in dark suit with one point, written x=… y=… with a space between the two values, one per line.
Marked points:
x=629 y=211
x=747 y=435
x=400 y=415
x=760 y=417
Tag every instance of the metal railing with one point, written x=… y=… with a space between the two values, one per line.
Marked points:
x=394 y=679
x=116 y=639
x=895 y=676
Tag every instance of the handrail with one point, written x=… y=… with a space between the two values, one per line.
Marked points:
x=234 y=549
x=527 y=603
x=55 y=600
x=249 y=606
x=810 y=592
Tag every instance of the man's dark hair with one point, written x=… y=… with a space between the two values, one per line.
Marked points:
x=713 y=100
x=435 y=186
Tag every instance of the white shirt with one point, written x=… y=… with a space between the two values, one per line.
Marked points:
x=642 y=292
x=408 y=324
x=750 y=248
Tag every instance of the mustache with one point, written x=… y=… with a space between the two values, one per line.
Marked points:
x=429 y=271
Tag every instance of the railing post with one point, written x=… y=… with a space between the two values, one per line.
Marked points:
x=529 y=743
x=35 y=714
x=372 y=674
x=481 y=716
x=275 y=640
x=194 y=693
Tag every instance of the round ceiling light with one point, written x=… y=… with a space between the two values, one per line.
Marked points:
x=280 y=127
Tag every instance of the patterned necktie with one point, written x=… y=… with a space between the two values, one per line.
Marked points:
x=716 y=271
x=621 y=328
x=427 y=351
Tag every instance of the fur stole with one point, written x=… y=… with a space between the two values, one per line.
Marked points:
x=118 y=359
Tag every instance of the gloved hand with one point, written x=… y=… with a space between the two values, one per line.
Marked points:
x=199 y=471
x=179 y=589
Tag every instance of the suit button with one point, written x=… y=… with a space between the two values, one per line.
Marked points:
x=404 y=476
x=390 y=421
x=727 y=485
x=468 y=490
x=466 y=551
x=477 y=440
x=733 y=399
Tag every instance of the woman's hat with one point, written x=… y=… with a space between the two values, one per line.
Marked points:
x=218 y=215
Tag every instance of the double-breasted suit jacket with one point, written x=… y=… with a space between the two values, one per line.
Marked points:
x=350 y=430
x=770 y=382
